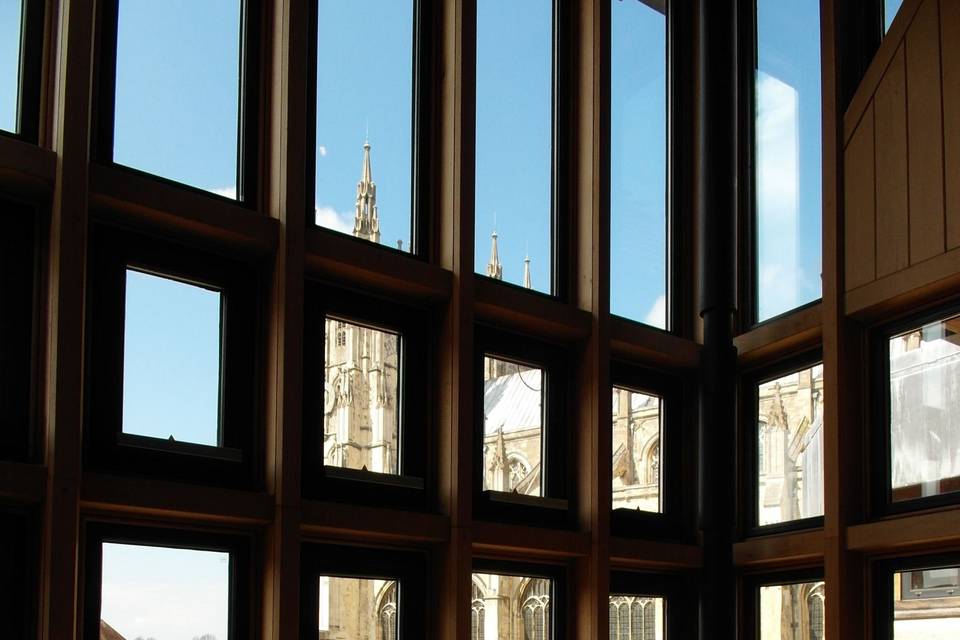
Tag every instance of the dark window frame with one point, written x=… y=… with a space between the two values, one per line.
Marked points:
x=425 y=96
x=20 y=338
x=677 y=590
x=20 y=535
x=562 y=145
x=748 y=407
x=29 y=81
x=560 y=592
x=410 y=569
x=675 y=485
x=248 y=105
x=880 y=573
x=750 y=590
x=243 y=589
x=555 y=507
x=235 y=462
x=413 y=486
x=878 y=410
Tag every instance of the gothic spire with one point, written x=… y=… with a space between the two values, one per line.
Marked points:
x=494 y=268
x=527 y=282
x=366 y=222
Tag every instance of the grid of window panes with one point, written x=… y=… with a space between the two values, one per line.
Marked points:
x=634 y=617
x=924 y=366
x=357 y=608
x=509 y=607
x=171 y=359
x=787 y=147
x=790 y=447
x=164 y=592
x=638 y=162
x=926 y=604
x=11 y=20
x=792 y=611
x=364 y=119
x=513 y=414
x=173 y=117
x=637 y=434
x=514 y=142
x=361 y=392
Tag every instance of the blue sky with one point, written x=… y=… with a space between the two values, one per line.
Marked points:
x=9 y=62
x=890 y=11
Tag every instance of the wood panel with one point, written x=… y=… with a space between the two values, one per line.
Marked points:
x=890 y=118
x=859 y=204
x=950 y=71
x=925 y=143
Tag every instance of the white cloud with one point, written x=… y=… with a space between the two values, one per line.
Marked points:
x=657 y=315
x=226 y=192
x=332 y=219
x=322 y=151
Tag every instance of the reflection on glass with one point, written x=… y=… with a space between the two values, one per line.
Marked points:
x=926 y=604
x=171 y=360
x=638 y=162
x=636 y=617
x=788 y=141
x=364 y=109
x=637 y=432
x=357 y=609
x=890 y=9
x=164 y=592
x=512 y=427
x=792 y=611
x=510 y=608
x=174 y=117
x=361 y=397
x=514 y=142
x=10 y=21
x=790 y=447
x=925 y=410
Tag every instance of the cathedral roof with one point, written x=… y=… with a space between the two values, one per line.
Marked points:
x=512 y=402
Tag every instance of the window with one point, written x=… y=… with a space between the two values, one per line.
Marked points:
x=357 y=608
x=11 y=12
x=926 y=603
x=477 y=611
x=21 y=55
x=924 y=409
x=890 y=9
x=164 y=114
x=791 y=611
x=364 y=160
x=637 y=432
x=176 y=326
x=787 y=150
x=146 y=583
x=638 y=161
x=789 y=428
x=514 y=226
x=515 y=607
x=636 y=617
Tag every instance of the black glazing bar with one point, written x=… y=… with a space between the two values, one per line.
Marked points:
x=717 y=198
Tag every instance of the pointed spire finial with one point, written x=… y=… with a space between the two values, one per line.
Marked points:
x=527 y=281
x=366 y=223
x=494 y=268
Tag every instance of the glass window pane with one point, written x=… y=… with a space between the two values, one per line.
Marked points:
x=513 y=427
x=511 y=607
x=174 y=117
x=361 y=421
x=637 y=434
x=163 y=592
x=636 y=617
x=890 y=9
x=790 y=432
x=11 y=12
x=926 y=604
x=357 y=608
x=788 y=141
x=365 y=119
x=171 y=359
x=513 y=204
x=925 y=410
x=638 y=162
x=792 y=611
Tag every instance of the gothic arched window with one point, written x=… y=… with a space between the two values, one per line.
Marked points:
x=477 y=610
x=341 y=334
x=632 y=618
x=518 y=471
x=653 y=464
x=388 y=615
x=815 y=613
x=535 y=610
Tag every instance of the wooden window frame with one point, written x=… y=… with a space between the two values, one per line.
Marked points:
x=235 y=462
x=413 y=486
x=670 y=522
x=20 y=564
x=19 y=339
x=750 y=594
x=555 y=507
x=560 y=614
x=29 y=83
x=749 y=472
x=410 y=569
x=248 y=105
x=243 y=589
